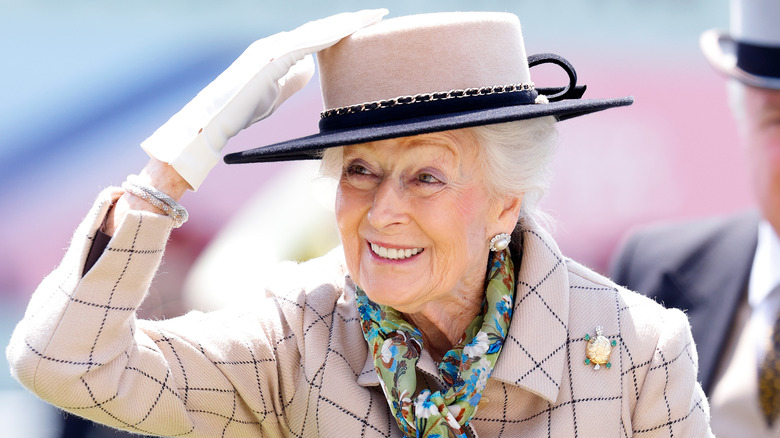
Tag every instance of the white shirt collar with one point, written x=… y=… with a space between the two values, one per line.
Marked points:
x=765 y=273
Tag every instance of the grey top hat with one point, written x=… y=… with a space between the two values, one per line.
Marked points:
x=750 y=51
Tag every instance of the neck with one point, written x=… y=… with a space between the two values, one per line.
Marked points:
x=443 y=326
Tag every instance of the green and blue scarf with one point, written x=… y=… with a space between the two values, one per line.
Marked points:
x=396 y=345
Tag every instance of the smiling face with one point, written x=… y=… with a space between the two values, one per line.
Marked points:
x=415 y=218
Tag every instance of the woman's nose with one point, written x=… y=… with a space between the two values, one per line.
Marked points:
x=390 y=205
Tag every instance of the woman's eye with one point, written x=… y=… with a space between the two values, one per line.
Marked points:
x=427 y=178
x=357 y=169
x=359 y=176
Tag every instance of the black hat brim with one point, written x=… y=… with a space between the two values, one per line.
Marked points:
x=311 y=147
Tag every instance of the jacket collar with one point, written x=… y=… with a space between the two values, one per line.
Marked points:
x=534 y=354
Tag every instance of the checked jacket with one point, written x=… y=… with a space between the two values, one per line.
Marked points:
x=294 y=363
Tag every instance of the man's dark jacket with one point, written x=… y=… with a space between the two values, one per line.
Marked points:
x=701 y=267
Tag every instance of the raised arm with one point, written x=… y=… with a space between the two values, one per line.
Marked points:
x=80 y=346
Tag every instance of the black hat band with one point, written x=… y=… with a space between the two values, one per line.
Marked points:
x=758 y=60
x=425 y=105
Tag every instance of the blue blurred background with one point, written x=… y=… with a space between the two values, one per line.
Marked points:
x=84 y=82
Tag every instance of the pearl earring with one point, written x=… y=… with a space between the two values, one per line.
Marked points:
x=499 y=242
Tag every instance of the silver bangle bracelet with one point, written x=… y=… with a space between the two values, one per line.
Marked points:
x=176 y=211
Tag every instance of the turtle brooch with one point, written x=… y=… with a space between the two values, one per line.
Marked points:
x=598 y=349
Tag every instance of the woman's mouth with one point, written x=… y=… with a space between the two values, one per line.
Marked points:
x=394 y=253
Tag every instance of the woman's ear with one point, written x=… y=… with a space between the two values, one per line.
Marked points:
x=507 y=217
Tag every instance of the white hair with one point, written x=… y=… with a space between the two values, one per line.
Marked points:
x=514 y=157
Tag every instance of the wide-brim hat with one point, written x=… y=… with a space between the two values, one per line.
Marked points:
x=426 y=73
x=750 y=50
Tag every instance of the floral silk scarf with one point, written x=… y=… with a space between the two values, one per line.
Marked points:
x=396 y=345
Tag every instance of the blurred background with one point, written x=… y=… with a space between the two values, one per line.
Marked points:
x=84 y=82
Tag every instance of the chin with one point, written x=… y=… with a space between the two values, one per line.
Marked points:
x=391 y=293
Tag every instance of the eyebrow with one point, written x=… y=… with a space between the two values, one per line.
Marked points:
x=440 y=141
x=415 y=142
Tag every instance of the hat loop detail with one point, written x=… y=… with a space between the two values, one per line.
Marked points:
x=551 y=58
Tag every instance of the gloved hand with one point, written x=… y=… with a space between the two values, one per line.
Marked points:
x=265 y=75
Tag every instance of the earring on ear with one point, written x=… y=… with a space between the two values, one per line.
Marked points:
x=500 y=242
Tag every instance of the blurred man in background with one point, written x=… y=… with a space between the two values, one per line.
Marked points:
x=726 y=271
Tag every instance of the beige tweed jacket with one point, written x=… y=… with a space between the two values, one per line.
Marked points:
x=294 y=362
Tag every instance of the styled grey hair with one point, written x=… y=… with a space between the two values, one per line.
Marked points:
x=515 y=158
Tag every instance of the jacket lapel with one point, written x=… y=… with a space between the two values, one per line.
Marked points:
x=713 y=281
x=534 y=354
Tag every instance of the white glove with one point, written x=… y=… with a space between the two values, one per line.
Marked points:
x=265 y=75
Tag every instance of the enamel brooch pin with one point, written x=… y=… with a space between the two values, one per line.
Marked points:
x=598 y=349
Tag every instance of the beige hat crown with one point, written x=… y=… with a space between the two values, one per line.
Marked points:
x=422 y=54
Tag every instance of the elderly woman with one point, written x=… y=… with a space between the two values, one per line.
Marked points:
x=448 y=312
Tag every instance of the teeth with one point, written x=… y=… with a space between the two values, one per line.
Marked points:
x=394 y=253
